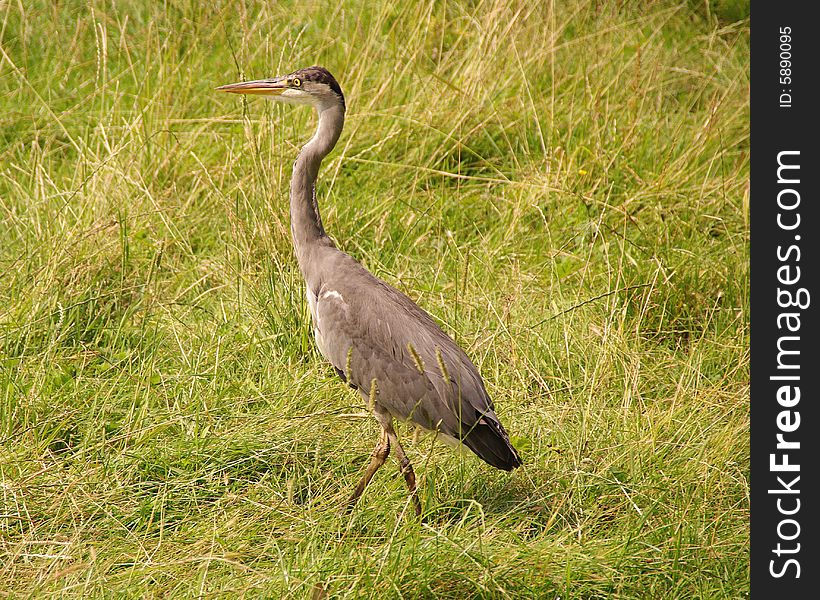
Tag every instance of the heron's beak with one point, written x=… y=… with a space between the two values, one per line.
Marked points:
x=263 y=87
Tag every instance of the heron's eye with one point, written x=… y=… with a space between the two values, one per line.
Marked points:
x=296 y=82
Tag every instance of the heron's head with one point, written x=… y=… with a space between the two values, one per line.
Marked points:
x=314 y=86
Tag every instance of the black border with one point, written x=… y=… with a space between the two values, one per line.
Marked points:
x=775 y=129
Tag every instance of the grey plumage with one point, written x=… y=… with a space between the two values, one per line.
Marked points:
x=377 y=339
x=372 y=332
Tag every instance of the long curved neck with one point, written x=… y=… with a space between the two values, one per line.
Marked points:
x=305 y=221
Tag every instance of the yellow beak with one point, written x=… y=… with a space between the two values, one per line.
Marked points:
x=265 y=87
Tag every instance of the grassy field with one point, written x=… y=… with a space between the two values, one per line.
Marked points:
x=563 y=187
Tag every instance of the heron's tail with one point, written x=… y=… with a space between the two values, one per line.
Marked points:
x=491 y=444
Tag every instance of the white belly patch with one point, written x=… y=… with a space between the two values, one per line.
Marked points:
x=332 y=294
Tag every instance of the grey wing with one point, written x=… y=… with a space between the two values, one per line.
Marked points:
x=355 y=332
x=374 y=335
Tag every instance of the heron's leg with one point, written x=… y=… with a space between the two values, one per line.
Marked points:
x=377 y=458
x=404 y=466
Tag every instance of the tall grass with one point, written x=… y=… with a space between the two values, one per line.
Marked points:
x=562 y=185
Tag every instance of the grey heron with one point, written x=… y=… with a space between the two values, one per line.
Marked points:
x=377 y=339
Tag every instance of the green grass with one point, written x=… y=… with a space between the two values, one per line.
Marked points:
x=563 y=187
